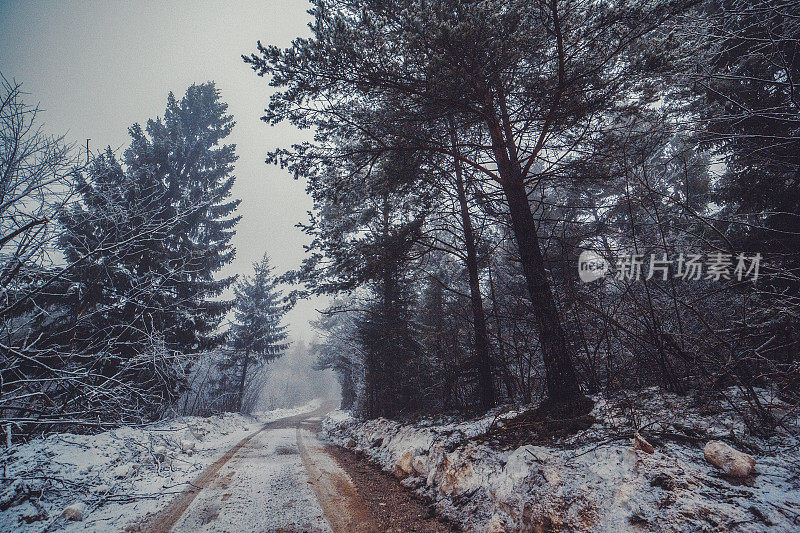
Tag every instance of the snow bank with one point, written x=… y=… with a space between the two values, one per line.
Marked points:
x=115 y=477
x=595 y=480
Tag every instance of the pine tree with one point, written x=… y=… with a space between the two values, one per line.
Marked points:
x=144 y=241
x=337 y=351
x=257 y=335
x=365 y=234
x=531 y=76
x=183 y=154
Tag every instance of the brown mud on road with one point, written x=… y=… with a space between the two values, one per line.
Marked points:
x=281 y=478
x=394 y=509
x=344 y=509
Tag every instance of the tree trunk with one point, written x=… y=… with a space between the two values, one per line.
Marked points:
x=245 y=363
x=562 y=382
x=506 y=375
x=483 y=360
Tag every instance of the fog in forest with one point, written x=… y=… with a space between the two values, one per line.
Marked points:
x=294 y=379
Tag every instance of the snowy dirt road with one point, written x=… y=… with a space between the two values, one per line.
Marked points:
x=279 y=479
x=265 y=473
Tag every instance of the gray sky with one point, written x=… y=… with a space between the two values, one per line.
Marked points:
x=96 y=67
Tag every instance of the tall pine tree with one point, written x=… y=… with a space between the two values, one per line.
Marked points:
x=144 y=241
x=183 y=152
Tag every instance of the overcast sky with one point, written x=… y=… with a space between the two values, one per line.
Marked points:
x=96 y=67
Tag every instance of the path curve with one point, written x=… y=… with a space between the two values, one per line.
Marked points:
x=227 y=494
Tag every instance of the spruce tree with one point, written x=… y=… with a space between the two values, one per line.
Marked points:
x=750 y=68
x=143 y=242
x=257 y=335
x=183 y=152
x=114 y=240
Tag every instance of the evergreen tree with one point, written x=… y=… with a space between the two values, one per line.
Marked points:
x=748 y=73
x=750 y=70
x=257 y=335
x=115 y=303
x=143 y=243
x=366 y=233
x=183 y=154
x=531 y=76
x=337 y=351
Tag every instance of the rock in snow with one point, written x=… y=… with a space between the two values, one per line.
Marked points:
x=124 y=471
x=402 y=467
x=100 y=489
x=729 y=460
x=639 y=443
x=420 y=466
x=75 y=512
x=188 y=446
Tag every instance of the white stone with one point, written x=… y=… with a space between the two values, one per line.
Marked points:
x=420 y=465
x=188 y=446
x=402 y=467
x=729 y=460
x=124 y=471
x=456 y=477
x=74 y=512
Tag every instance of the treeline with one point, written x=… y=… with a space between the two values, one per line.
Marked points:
x=108 y=270
x=466 y=153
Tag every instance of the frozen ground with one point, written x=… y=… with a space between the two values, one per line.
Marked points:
x=119 y=476
x=263 y=486
x=595 y=480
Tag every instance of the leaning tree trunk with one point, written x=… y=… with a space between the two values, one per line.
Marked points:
x=562 y=382
x=563 y=389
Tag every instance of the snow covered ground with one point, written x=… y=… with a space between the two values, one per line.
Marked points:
x=595 y=480
x=116 y=477
x=264 y=487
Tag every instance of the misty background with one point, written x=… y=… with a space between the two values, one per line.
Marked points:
x=95 y=68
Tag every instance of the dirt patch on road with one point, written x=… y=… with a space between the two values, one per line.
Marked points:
x=393 y=508
x=345 y=511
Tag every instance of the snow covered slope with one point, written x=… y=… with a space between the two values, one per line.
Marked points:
x=595 y=480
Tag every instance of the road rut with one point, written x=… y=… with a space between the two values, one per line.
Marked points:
x=278 y=478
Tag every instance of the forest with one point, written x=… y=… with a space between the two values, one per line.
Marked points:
x=466 y=154
x=551 y=271
x=111 y=311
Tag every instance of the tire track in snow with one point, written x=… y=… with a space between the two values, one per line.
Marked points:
x=164 y=520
